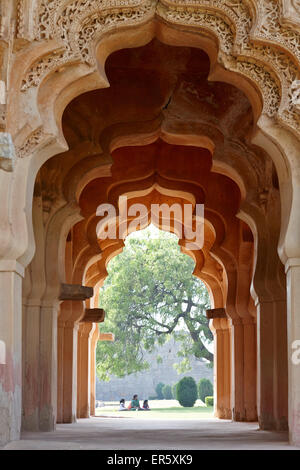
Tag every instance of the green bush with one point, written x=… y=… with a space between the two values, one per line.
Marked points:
x=209 y=401
x=152 y=398
x=158 y=390
x=167 y=392
x=205 y=389
x=174 y=388
x=186 y=392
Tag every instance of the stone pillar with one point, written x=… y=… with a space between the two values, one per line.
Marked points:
x=68 y=326
x=31 y=361
x=225 y=325
x=281 y=366
x=60 y=369
x=237 y=378
x=94 y=342
x=71 y=311
x=70 y=372
x=83 y=369
x=11 y=274
x=265 y=360
x=272 y=365
x=33 y=290
x=218 y=369
x=293 y=309
x=250 y=369
x=67 y=364
x=48 y=366
x=220 y=327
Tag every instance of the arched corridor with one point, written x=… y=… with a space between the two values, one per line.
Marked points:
x=152 y=103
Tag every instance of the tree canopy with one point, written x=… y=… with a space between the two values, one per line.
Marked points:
x=149 y=294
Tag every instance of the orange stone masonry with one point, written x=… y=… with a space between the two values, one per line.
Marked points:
x=162 y=102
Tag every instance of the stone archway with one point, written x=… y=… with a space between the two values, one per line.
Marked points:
x=253 y=47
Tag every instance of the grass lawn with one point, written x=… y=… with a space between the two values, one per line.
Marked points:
x=158 y=412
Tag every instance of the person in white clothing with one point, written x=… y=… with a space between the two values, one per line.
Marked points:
x=122 y=406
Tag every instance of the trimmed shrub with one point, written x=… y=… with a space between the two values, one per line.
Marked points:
x=167 y=392
x=209 y=401
x=174 y=388
x=205 y=389
x=158 y=390
x=186 y=392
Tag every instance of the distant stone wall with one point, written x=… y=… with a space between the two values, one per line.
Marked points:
x=144 y=383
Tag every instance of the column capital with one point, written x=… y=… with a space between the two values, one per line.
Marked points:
x=7 y=265
x=292 y=263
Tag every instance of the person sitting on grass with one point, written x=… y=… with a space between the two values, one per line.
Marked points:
x=122 y=405
x=146 y=405
x=135 y=404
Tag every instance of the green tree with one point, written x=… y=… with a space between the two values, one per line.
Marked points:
x=159 y=390
x=174 y=390
x=149 y=294
x=186 y=391
x=205 y=388
x=167 y=392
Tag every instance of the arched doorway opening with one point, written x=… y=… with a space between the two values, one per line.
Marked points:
x=156 y=310
x=47 y=75
x=183 y=139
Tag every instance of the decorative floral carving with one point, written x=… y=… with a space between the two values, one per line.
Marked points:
x=263 y=77
x=295 y=93
x=195 y=17
x=101 y=23
x=44 y=65
x=31 y=143
x=263 y=49
x=77 y=37
x=20 y=19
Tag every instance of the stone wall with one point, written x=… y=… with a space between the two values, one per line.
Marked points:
x=144 y=383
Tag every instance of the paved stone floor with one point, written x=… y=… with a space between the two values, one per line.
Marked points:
x=128 y=433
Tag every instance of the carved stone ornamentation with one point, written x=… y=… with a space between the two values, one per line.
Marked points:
x=7 y=152
x=257 y=44
x=36 y=139
x=20 y=18
x=295 y=92
x=291 y=10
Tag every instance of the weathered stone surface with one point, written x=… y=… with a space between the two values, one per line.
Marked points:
x=75 y=292
x=7 y=151
x=93 y=315
x=216 y=313
x=156 y=128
